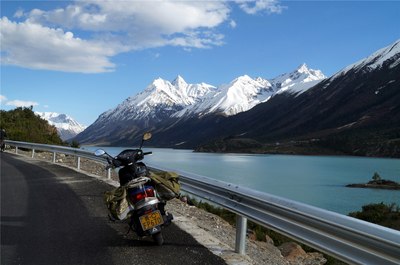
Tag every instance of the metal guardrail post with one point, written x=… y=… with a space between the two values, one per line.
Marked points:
x=16 y=149
x=54 y=157
x=109 y=173
x=78 y=166
x=241 y=229
x=33 y=153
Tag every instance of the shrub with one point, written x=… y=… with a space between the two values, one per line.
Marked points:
x=381 y=214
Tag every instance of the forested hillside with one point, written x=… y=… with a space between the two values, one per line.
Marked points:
x=21 y=124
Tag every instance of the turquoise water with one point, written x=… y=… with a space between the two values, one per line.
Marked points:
x=316 y=180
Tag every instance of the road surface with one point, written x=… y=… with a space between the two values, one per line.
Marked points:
x=54 y=215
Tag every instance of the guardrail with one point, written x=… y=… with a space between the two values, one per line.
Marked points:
x=348 y=239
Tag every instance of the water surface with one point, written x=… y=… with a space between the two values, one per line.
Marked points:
x=316 y=180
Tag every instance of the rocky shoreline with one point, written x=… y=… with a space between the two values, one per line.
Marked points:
x=210 y=230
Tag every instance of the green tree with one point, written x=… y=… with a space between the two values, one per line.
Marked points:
x=376 y=177
x=21 y=124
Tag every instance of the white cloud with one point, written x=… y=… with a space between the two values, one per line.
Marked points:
x=21 y=103
x=34 y=46
x=2 y=98
x=166 y=17
x=19 y=13
x=47 y=39
x=253 y=7
x=142 y=24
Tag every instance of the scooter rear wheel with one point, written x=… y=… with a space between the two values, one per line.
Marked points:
x=158 y=238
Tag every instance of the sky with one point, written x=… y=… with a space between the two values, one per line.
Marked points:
x=82 y=58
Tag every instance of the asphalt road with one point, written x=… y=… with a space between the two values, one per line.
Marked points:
x=54 y=215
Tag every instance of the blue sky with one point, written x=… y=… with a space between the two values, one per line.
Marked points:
x=82 y=58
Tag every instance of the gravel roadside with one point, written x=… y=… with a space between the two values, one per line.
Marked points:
x=208 y=229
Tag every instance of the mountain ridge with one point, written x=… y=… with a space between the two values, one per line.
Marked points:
x=163 y=100
x=353 y=112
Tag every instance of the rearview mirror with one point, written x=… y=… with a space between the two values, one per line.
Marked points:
x=99 y=152
x=147 y=136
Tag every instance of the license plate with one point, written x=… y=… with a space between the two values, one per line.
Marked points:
x=151 y=220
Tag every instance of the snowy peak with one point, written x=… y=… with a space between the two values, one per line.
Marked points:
x=378 y=58
x=177 y=92
x=160 y=99
x=242 y=79
x=263 y=82
x=301 y=74
x=302 y=68
x=179 y=82
x=244 y=93
x=66 y=126
x=164 y=99
x=240 y=95
x=298 y=81
x=390 y=54
x=311 y=74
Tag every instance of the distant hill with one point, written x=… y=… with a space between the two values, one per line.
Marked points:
x=22 y=124
x=66 y=126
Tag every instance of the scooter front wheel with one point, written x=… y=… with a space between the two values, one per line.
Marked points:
x=158 y=238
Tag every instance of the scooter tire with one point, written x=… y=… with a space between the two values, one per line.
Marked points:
x=158 y=238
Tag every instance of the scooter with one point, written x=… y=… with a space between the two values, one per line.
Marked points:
x=142 y=208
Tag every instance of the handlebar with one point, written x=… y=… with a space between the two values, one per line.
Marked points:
x=128 y=156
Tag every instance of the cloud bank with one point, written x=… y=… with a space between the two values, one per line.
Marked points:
x=85 y=35
x=21 y=103
x=17 y=103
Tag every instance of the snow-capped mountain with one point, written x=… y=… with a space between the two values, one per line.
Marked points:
x=240 y=95
x=163 y=100
x=66 y=126
x=375 y=61
x=159 y=100
x=298 y=81
x=355 y=112
x=244 y=92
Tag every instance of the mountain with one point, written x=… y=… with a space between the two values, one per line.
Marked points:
x=160 y=100
x=298 y=81
x=356 y=112
x=240 y=95
x=164 y=102
x=243 y=93
x=66 y=126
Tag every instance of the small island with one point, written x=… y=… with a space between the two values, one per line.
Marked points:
x=377 y=183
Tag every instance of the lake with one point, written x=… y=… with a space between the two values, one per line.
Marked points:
x=316 y=180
